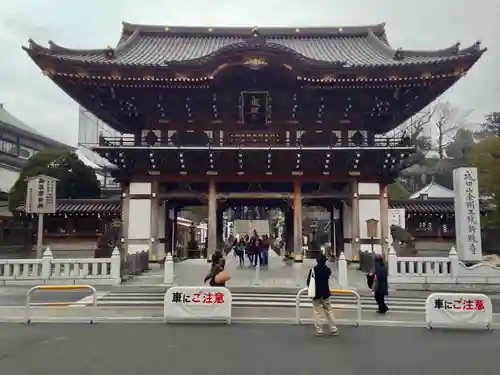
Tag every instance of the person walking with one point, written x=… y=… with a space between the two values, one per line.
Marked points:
x=257 y=258
x=216 y=258
x=218 y=276
x=240 y=251
x=380 y=286
x=265 y=250
x=320 y=275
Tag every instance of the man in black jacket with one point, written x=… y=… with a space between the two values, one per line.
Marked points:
x=320 y=275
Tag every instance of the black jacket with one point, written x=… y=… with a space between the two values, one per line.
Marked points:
x=381 y=282
x=322 y=275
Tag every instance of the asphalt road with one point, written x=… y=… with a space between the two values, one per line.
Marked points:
x=122 y=349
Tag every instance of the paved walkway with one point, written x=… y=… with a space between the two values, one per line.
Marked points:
x=117 y=349
x=277 y=274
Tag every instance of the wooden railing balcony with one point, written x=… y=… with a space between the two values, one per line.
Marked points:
x=259 y=140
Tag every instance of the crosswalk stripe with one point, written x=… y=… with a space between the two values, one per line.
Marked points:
x=282 y=298
x=123 y=299
x=261 y=296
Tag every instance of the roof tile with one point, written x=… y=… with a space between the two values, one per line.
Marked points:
x=113 y=206
x=431 y=206
x=150 y=45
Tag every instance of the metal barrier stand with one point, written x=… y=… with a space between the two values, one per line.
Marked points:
x=334 y=291
x=93 y=315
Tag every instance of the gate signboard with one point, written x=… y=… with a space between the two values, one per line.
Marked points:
x=41 y=195
x=40 y=199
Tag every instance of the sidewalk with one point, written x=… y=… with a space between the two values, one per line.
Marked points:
x=278 y=277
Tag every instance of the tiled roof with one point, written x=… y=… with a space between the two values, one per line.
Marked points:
x=433 y=190
x=113 y=206
x=431 y=206
x=160 y=46
x=86 y=206
x=8 y=119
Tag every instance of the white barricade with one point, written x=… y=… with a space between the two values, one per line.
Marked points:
x=191 y=303
x=458 y=310
x=356 y=295
x=64 y=288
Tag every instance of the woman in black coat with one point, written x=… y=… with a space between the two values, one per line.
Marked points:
x=380 y=285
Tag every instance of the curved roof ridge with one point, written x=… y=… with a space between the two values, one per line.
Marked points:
x=400 y=53
x=474 y=48
x=127 y=41
x=34 y=46
x=453 y=50
x=380 y=45
x=243 y=45
x=247 y=30
x=53 y=47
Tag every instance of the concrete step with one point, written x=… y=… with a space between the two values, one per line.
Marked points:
x=340 y=302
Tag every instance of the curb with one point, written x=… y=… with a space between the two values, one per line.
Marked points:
x=264 y=289
x=152 y=320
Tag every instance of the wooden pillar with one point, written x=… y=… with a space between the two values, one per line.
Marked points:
x=288 y=211
x=297 y=221
x=212 y=219
x=384 y=220
x=220 y=226
x=355 y=230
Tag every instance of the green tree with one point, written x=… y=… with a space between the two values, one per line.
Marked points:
x=76 y=180
x=485 y=156
x=459 y=148
x=397 y=191
x=491 y=126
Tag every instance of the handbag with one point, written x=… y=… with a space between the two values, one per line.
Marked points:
x=370 y=278
x=311 y=288
x=221 y=278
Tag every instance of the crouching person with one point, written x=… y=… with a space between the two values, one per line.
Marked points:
x=320 y=275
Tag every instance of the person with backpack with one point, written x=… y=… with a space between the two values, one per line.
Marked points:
x=319 y=290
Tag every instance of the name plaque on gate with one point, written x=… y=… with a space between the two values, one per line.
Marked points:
x=254 y=106
x=253 y=138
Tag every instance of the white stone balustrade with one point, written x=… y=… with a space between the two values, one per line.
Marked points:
x=49 y=270
x=448 y=271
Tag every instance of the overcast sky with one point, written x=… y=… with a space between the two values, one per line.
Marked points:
x=423 y=24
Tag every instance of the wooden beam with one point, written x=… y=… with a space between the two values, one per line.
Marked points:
x=183 y=195
x=253 y=195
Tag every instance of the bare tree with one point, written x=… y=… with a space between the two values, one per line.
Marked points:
x=415 y=127
x=447 y=120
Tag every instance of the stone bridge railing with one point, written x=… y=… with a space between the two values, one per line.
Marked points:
x=448 y=272
x=49 y=270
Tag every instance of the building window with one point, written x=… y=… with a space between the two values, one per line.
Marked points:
x=8 y=147
x=26 y=152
